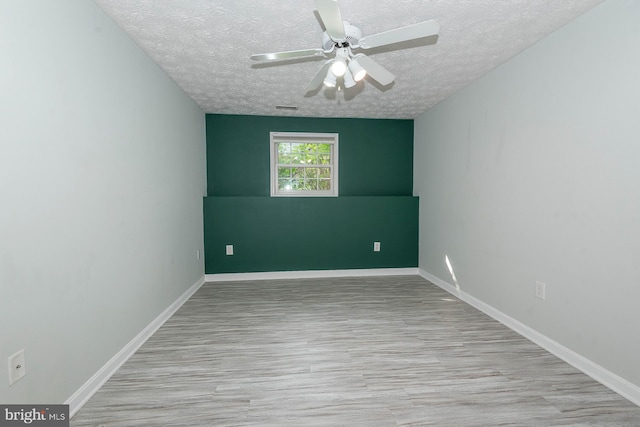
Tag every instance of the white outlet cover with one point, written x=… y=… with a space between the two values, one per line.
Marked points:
x=376 y=246
x=17 y=368
x=229 y=250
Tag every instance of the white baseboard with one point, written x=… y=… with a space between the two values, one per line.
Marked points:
x=310 y=274
x=88 y=389
x=607 y=378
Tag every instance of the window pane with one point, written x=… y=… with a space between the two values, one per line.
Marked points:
x=324 y=184
x=311 y=149
x=284 y=159
x=310 y=184
x=297 y=172
x=324 y=148
x=284 y=172
x=297 y=184
x=311 y=158
x=284 y=147
x=284 y=184
x=311 y=172
x=324 y=159
x=324 y=172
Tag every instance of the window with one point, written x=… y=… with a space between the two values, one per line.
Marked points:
x=304 y=164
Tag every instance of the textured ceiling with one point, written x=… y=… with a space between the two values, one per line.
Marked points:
x=204 y=45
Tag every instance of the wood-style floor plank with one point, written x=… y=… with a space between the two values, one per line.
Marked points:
x=383 y=351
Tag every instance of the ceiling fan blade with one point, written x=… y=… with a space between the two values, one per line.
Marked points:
x=319 y=77
x=410 y=32
x=331 y=18
x=376 y=71
x=279 y=56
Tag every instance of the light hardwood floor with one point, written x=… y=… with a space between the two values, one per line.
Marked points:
x=383 y=351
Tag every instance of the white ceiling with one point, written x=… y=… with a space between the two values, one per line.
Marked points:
x=204 y=45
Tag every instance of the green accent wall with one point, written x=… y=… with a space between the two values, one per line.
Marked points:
x=376 y=156
x=310 y=233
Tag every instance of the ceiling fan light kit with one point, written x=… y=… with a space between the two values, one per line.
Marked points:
x=339 y=65
x=330 y=79
x=348 y=80
x=341 y=39
x=356 y=69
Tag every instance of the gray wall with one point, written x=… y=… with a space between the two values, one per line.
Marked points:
x=102 y=175
x=533 y=173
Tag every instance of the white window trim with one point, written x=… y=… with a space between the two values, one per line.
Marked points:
x=325 y=138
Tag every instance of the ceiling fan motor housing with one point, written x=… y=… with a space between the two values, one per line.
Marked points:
x=352 y=32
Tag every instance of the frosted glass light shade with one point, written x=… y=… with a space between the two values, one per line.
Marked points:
x=330 y=80
x=348 y=80
x=339 y=67
x=357 y=70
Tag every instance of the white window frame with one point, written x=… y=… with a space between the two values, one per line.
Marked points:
x=304 y=137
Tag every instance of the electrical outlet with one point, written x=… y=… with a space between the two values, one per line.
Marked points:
x=540 y=290
x=229 y=250
x=17 y=368
x=376 y=246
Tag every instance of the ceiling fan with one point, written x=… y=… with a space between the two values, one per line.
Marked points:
x=341 y=39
